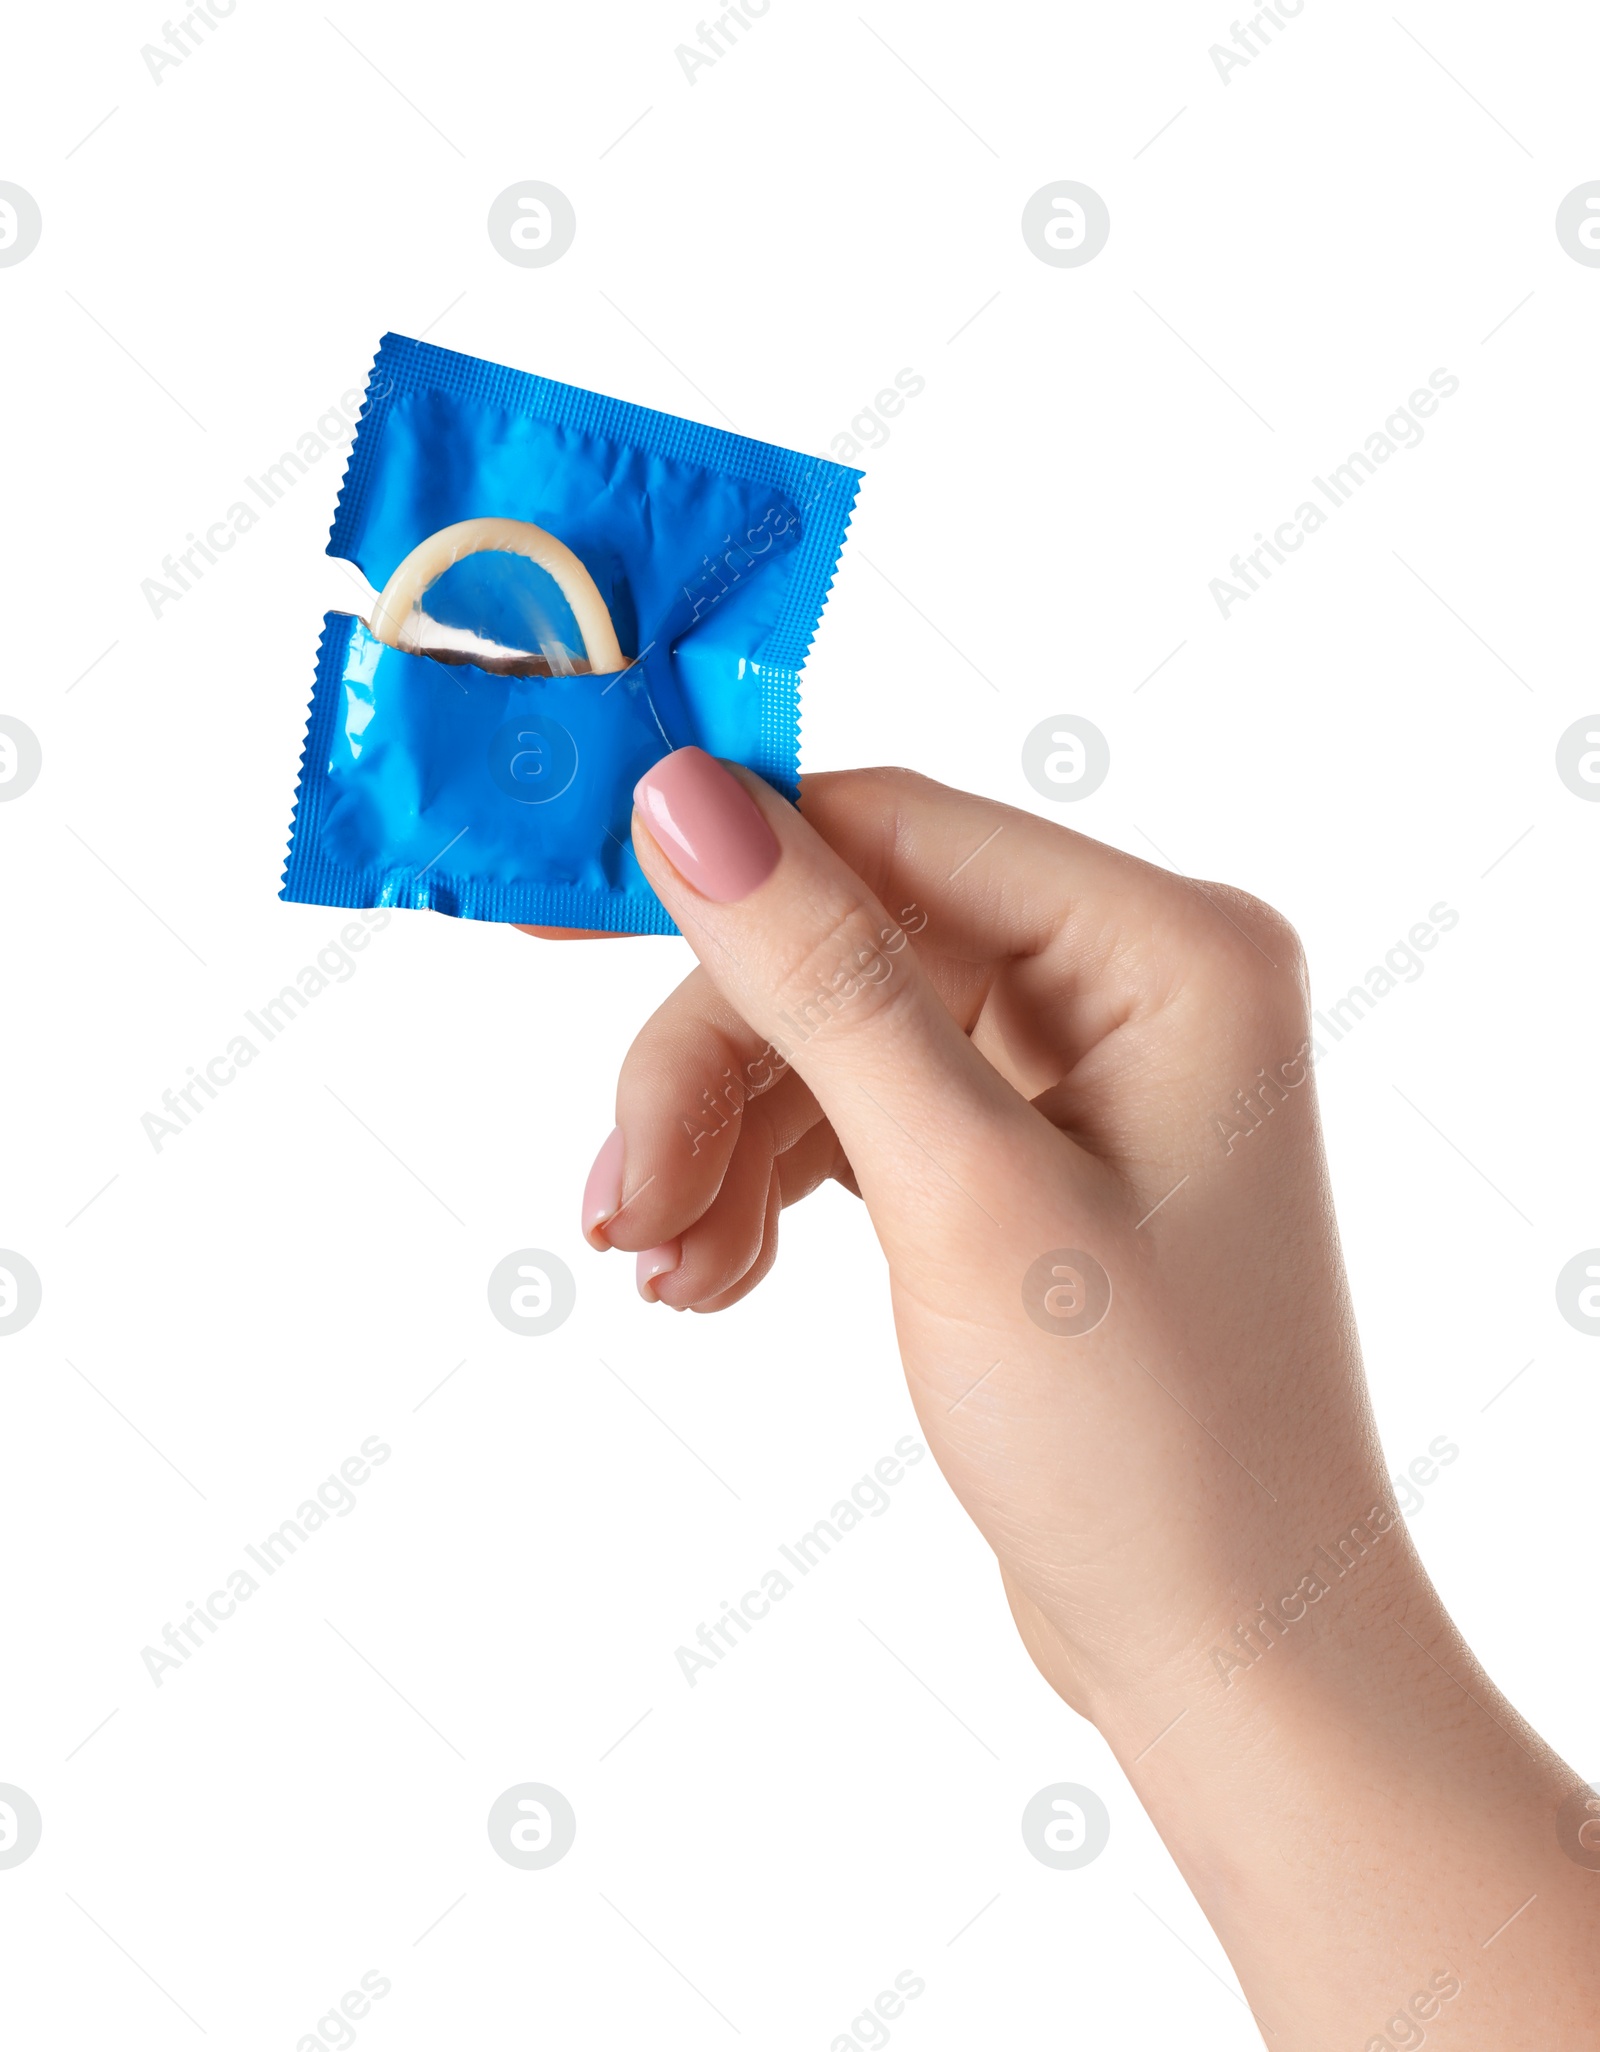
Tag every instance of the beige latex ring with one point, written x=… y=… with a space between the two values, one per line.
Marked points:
x=430 y=559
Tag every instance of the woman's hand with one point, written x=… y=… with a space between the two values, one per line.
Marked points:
x=1075 y=1095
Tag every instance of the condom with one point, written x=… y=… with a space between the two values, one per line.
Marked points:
x=567 y=587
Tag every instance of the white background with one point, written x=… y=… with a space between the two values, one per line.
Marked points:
x=1289 y=258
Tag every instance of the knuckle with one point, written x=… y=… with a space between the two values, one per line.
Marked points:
x=877 y=794
x=848 y=979
x=1263 y=949
x=890 y=775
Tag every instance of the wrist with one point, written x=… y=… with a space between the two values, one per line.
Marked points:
x=1366 y=1741
x=1256 y=1681
x=1222 y=1636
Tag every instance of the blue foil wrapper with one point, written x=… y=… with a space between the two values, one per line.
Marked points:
x=444 y=786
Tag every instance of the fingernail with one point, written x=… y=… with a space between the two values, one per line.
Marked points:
x=602 y=1194
x=654 y=1263
x=707 y=825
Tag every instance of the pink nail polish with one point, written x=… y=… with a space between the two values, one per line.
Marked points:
x=602 y=1194
x=654 y=1263
x=707 y=825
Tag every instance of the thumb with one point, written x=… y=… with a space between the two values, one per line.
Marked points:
x=809 y=958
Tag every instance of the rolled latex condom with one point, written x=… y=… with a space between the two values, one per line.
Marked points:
x=399 y=604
